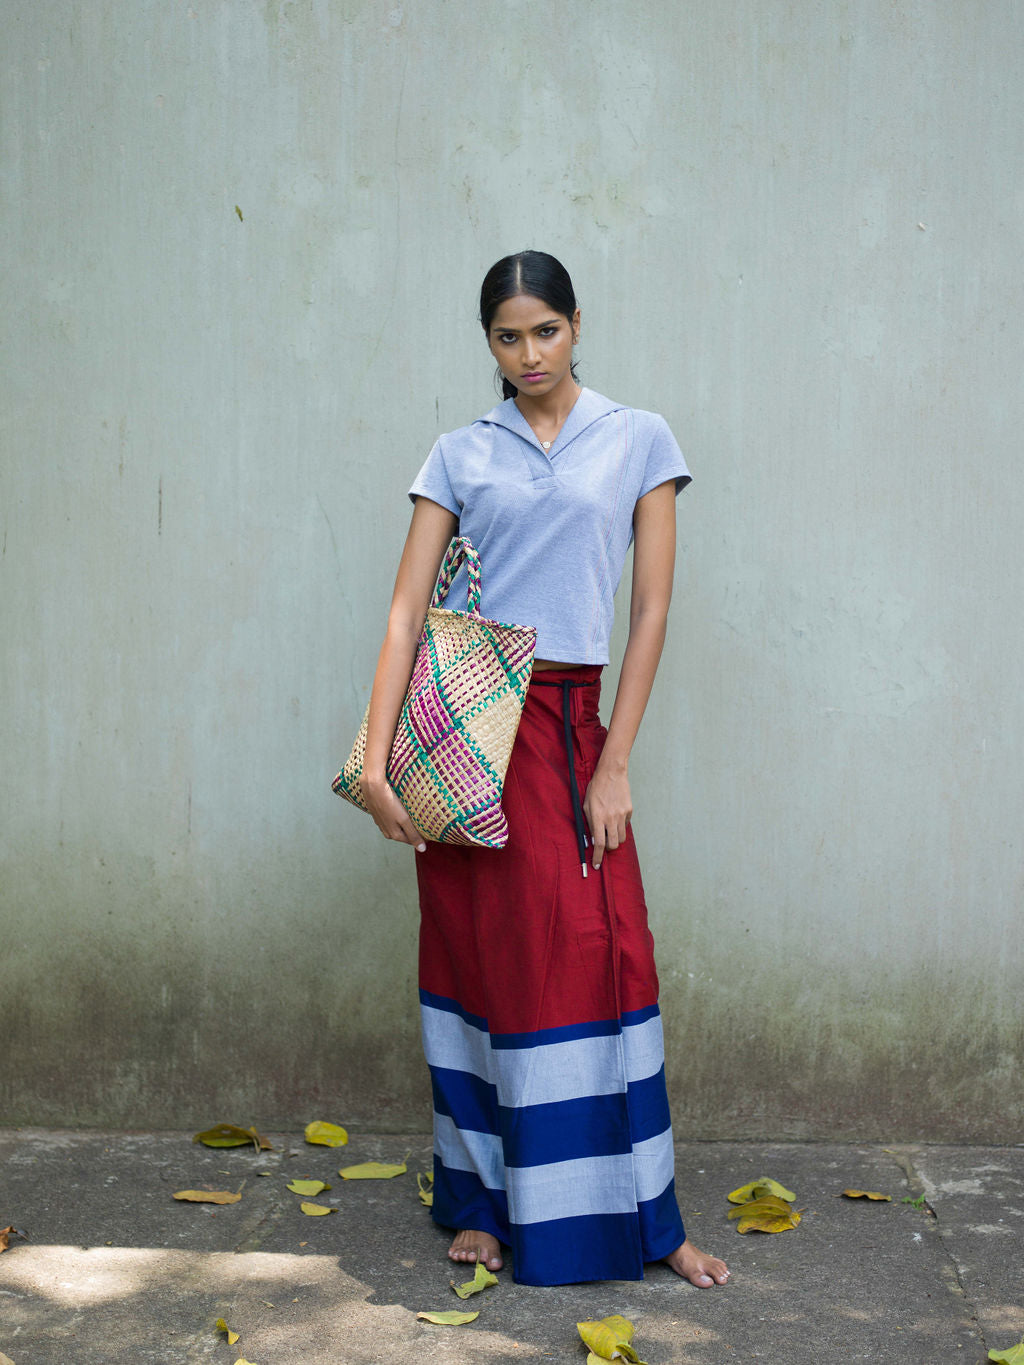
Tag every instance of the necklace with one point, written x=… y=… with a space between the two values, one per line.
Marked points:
x=546 y=445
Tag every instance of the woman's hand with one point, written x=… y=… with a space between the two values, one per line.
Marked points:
x=608 y=807
x=390 y=816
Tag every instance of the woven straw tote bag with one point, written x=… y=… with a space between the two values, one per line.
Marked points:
x=459 y=718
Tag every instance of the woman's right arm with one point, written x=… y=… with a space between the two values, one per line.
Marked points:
x=429 y=535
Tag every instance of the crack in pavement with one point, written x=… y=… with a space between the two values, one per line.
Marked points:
x=920 y=1190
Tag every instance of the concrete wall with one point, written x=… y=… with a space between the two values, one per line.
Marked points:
x=241 y=245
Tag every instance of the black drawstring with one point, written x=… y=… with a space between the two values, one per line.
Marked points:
x=567 y=684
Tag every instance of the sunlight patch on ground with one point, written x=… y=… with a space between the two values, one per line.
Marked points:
x=78 y=1277
x=285 y=1306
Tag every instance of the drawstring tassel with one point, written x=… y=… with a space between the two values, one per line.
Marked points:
x=567 y=685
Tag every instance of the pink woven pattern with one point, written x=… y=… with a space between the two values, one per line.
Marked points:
x=459 y=719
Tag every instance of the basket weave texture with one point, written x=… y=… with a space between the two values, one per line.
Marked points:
x=459 y=719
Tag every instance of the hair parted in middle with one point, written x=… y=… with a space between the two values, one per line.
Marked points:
x=535 y=273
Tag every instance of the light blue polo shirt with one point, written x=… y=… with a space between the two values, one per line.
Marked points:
x=552 y=527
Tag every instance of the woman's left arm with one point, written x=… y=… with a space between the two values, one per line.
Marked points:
x=608 y=804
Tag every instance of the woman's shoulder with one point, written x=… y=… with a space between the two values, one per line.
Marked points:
x=599 y=402
x=504 y=414
x=647 y=426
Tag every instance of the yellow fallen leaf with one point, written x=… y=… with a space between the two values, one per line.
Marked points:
x=208 y=1196
x=240 y=1361
x=453 y=1319
x=316 y=1210
x=756 y=1188
x=426 y=1187
x=308 y=1186
x=482 y=1279
x=1013 y=1355
x=326 y=1134
x=767 y=1204
x=230 y=1135
x=372 y=1170
x=866 y=1194
x=769 y=1222
x=609 y=1338
x=223 y=1327
x=5 y=1360
x=7 y=1233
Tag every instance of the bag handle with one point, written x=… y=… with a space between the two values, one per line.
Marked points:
x=461 y=548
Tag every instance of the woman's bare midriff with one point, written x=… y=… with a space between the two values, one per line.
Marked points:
x=551 y=663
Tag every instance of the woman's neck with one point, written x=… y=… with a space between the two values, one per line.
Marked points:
x=549 y=409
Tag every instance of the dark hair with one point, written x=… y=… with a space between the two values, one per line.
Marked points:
x=527 y=272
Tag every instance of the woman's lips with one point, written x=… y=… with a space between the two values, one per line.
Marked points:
x=532 y=378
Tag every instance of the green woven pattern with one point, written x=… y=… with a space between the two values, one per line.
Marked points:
x=459 y=719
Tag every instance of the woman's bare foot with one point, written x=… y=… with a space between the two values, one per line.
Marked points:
x=697 y=1267
x=470 y=1245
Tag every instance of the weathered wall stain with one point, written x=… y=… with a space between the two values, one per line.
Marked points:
x=827 y=783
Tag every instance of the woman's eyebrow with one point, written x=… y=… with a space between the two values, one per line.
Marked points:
x=551 y=322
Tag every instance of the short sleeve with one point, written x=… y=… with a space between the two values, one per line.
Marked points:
x=433 y=482
x=664 y=458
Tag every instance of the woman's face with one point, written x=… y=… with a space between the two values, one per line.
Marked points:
x=532 y=344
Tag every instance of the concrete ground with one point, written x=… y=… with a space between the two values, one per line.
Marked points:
x=117 y=1270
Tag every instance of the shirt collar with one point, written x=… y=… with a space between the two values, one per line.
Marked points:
x=588 y=408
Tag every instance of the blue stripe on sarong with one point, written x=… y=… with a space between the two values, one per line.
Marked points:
x=584 y=1248
x=562 y=1250
x=594 y=1125
x=464 y=1098
x=568 y=1033
x=442 y=1002
x=548 y=1072
x=546 y=1174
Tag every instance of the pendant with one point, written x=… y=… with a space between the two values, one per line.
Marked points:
x=546 y=445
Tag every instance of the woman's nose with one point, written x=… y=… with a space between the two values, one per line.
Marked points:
x=531 y=351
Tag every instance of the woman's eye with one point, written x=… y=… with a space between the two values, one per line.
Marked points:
x=548 y=331
x=507 y=338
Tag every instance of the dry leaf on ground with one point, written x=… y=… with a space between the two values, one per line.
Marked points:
x=230 y=1135
x=769 y=1213
x=760 y=1187
x=223 y=1327
x=768 y=1222
x=452 y=1319
x=609 y=1338
x=372 y=1170
x=308 y=1186
x=482 y=1279
x=768 y=1204
x=5 y=1360
x=426 y=1188
x=7 y=1233
x=326 y=1134
x=208 y=1196
x=316 y=1210
x=867 y=1194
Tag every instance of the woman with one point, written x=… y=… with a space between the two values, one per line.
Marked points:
x=538 y=986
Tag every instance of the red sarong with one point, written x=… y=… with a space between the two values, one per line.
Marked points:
x=541 y=1026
